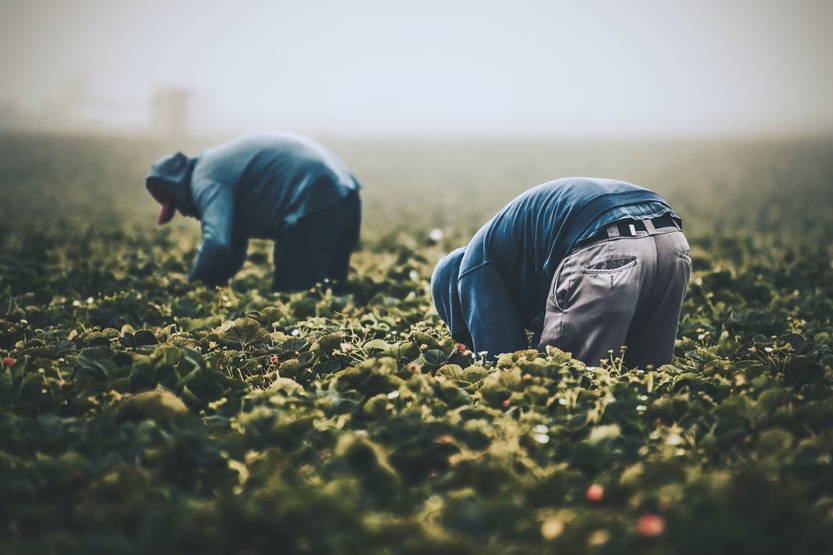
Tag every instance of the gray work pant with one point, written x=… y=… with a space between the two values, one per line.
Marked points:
x=620 y=291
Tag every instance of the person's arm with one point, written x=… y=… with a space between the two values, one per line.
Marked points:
x=214 y=255
x=239 y=246
x=491 y=316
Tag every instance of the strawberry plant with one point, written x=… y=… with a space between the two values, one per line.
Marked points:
x=140 y=413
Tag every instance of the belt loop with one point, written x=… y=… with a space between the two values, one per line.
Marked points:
x=612 y=231
x=649 y=227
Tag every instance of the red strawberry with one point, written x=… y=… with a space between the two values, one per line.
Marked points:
x=650 y=525
x=8 y=361
x=595 y=493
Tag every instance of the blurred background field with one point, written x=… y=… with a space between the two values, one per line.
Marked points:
x=773 y=187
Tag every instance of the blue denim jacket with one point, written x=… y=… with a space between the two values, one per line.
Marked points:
x=253 y=186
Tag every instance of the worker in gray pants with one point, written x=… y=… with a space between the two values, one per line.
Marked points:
x=586 y=264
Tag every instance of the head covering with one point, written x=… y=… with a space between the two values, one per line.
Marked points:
x=169 y=182
x=446 y=297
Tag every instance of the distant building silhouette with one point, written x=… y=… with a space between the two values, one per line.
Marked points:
x=170 y=111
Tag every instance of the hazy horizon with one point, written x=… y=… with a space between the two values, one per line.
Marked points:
x=592 y=68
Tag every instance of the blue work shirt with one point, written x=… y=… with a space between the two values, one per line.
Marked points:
x=253 y=186
x=496 y=288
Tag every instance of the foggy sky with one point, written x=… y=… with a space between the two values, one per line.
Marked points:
x=521 y=66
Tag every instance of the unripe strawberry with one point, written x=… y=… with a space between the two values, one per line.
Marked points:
x=506 y=403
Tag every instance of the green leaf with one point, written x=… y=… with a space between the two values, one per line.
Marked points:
x=242 y=332
x=294 y=344
x=604 y=433
x=434 y=356
x=158 y=404
x=375 y=346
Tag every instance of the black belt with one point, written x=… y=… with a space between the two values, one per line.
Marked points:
x=629 y=228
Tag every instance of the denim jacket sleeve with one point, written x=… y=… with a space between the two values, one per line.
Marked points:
x=490 y=314
x=214 y=256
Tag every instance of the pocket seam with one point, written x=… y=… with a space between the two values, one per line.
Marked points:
x=611 y=270
x=555 y=281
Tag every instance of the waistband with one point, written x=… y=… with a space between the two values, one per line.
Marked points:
x=632 y=228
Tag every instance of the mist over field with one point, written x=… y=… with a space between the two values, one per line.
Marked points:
x=544 y=68
x=768 y=186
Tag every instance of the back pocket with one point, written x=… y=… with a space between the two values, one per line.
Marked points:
x=611 y=265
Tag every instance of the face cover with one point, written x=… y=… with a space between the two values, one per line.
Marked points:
x=163 y=198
